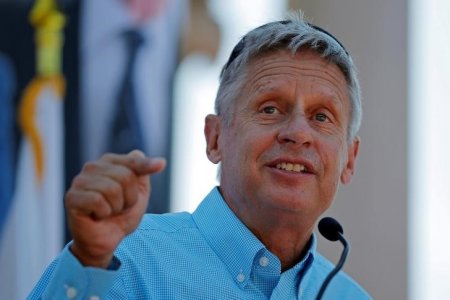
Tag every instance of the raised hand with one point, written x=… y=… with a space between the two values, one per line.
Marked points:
x=106 y=202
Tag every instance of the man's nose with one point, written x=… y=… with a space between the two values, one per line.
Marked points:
x=296 y=130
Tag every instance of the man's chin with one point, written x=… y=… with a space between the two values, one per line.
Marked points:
x=290 y=200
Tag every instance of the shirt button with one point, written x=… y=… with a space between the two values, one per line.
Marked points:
x=263 y=261
x=71 y=292
x=240 y=277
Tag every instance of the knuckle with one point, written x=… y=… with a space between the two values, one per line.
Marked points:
x=114 y=189
x=106 y=156
x=78 y=181
x=70 y=197
x=96 y=199
x=126 y=177
x=123 y=175
x=90 y=167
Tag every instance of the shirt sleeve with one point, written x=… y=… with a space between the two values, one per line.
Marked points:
x=67 y=278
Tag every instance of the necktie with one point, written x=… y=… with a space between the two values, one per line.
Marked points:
x=126 y=132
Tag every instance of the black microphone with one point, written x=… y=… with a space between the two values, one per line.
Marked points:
x=332 y=231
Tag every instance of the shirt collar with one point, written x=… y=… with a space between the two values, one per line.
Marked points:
x=228 y=236
x=310 y=255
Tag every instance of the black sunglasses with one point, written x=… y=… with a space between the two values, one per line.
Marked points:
x=240 y=45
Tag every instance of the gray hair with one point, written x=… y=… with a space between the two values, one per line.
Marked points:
x=292 y=34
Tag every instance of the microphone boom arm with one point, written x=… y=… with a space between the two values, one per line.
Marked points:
x=337 y=268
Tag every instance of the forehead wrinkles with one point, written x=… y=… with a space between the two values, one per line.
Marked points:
x=263 y=71
x=334 y=84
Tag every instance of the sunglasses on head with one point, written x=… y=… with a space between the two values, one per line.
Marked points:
x=241 y=44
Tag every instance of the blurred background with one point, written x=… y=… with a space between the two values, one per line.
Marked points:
x=59 y=106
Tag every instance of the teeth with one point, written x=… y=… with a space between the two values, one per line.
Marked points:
x=291 y=167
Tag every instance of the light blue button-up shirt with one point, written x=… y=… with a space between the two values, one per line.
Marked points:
x=209 y=254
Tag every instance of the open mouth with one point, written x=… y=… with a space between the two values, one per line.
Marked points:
x=292 y=167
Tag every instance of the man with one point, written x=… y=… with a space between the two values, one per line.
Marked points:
x=288 y=111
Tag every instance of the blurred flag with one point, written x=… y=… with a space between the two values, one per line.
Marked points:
x=33 y=229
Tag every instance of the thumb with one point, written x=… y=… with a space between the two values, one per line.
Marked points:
x=150 y=166
x=157 y=164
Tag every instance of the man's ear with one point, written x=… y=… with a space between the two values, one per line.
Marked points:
x=349 y=168
x=212 y=133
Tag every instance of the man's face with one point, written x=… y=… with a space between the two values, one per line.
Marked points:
x=287 y=146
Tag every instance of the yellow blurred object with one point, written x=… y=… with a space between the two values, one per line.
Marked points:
x=28 y=111
x=48 y=23
x=49 y=38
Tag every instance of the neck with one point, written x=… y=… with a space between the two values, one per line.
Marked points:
x=286 y=234
x=289 y=243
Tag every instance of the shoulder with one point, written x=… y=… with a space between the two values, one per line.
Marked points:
x=160 y=238
x=169 y=222
x=163 y=228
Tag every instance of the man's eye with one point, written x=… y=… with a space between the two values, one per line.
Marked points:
x=270 y=110
x=320 y=117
